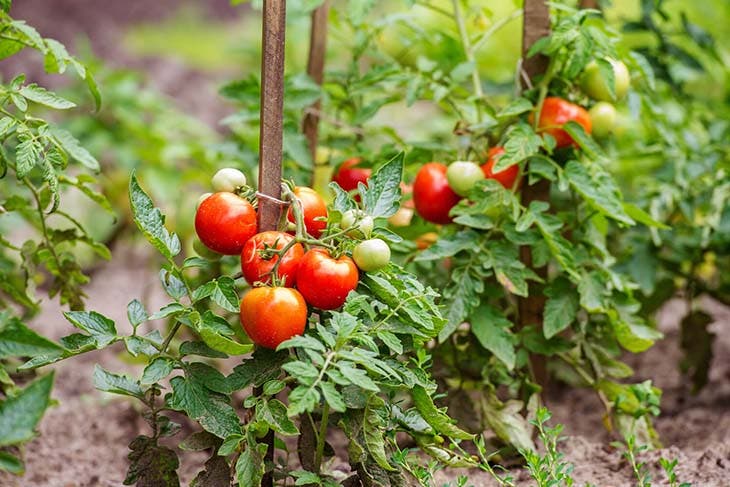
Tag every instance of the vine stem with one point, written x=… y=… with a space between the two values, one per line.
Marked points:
x=468 y=50
x=322 y=436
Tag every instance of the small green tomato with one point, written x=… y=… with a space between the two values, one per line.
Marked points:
x=204 y=251
x=363 y=224
x=463 y=175
x=596 y=86
x=371 y=255
x=228 y=180
x=603 y=118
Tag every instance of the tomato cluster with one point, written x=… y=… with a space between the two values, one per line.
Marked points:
x=285 y=276
x=438 y=188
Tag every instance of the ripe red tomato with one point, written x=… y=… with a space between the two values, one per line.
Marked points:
x=314 y=207
x=224 y=222
x=555 y=113
x=271 y=315
x=257 y=268
x=505 y=177
x=432 y=195
x=324 y=281
x=348 y=175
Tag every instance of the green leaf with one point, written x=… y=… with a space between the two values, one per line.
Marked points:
x=11 y=464
x=382 y=195
x=302 y=399
x=27 y=156
x=17 y=340
x=97 y=325
x=211 y=410
x=522 y=142
x=373 y=429
x=598 y=189
x=20 y=413
x=440 y=421
x=273 y=412
x=643 y=217
x=250 y=465
x=561 y=307
x=71 y=145
x=151 y=464
x=157 y=370
x=448 y=247
x=222 y=291
x=299 y=369
x=151 y=221
x=263 y=366
x=492 y=330
x=515 y=107
x=357 y=376
x=38 y=94
x=200 y=348
x=211 y=329
x=333 y=397
x=116 y=384
x=507 y=422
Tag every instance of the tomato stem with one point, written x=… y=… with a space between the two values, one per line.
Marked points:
x=322 y=437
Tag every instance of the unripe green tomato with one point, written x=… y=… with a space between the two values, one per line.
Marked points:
x=371 y=255
x=603 y=118
x=201 y=199
x=463 y=175
x=204 y=251
x=228 y=180
x=363 y=223
x=596 y=86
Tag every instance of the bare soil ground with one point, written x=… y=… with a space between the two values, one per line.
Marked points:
x=83 y=441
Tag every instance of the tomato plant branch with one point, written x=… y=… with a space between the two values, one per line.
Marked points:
x=322 y=436
x=476 y=80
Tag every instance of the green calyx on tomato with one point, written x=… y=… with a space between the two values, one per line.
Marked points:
x=272 y=315
x=505 y=177
x=432 y=195
x=228 y=179
x=262 y=253
x=603 y=118
x=314 y=210
x=224 y=222
x=371 y=255
x=463 y=175
x=325 y=281
x=358 y=224
x=555 y=113
x=595 y=84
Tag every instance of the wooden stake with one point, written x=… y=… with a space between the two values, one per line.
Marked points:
x=272 y=105
x=271 y=139
x=536 y=25
x=315 y=70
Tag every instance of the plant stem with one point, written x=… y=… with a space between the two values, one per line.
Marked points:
x=495 y=27
x=322 y=436
x=468 y=50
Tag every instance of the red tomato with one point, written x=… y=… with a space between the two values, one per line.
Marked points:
x=348 y=175
x=224 y=222
x=432 y=195
x=555 y=113
x=257 y=267
x=314 y=207
x=325 y=282
x=506 y=177
x=271 y=315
